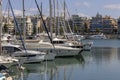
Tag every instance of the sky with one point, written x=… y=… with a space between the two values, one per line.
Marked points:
x=88 y=8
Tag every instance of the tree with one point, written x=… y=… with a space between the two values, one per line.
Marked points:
x=5 y=28
x=61 y=30
x=76 y=29
x=97 y=30
x=86 y=27
x=34 y=30
x=82 y=30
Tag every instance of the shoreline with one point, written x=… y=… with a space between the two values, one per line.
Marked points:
x=109 y=36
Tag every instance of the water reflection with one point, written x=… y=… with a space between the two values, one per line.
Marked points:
x=59 y=69
x=101 y=63
x=118 y=53
x=98 y=64
x=104 y=54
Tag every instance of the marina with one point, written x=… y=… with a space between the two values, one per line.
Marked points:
x=36 y=44
x=101 y=63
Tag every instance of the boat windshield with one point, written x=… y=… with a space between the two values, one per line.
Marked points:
x=11 y=49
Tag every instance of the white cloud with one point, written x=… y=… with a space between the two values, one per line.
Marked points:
x=86 y=4
x=5 y=13
x=33 y=9
x=83 y=15
x=20 y=12
x=16 y=12
x=113 y=7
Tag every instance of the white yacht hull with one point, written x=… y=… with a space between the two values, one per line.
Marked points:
x=36 y=59
x=59 y=51
x=99 y=36
x=66 y=53
x=48 y=57
x=62 y=52
x=29 y=56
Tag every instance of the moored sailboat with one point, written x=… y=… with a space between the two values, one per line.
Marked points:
x=4 y=60
x=58 y=50
x=28 y=56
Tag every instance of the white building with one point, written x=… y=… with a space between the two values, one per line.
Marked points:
x=29 y=26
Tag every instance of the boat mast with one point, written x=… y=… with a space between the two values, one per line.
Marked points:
x=51 y=27
x=8 y=20
x=24 y=24
x=54 y=17
x=64 y=17
x=0 y=26
x=64 y=10
x=41 y=8
x=41 y=24
x=58 y=27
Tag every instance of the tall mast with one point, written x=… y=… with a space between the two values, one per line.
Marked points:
x=8 y=20
x=51 y=27
x=54 y=16
x=58 y=28
x=0 y=26
x=24 y=22
x=64 y=16
x=64 y=10
x=41 y=24
x=41 y=8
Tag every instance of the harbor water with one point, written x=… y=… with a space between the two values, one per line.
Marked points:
x=101 y=63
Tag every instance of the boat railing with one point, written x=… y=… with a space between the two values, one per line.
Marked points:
x=37 y=46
